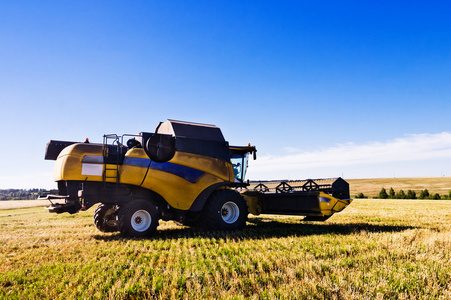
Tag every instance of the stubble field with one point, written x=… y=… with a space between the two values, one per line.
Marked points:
x=374 y=249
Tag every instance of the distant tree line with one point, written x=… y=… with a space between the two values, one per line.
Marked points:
x=424 y=194
x=21 y=194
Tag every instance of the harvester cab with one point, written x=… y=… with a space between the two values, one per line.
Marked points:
x=239 y=159
x=185 y=172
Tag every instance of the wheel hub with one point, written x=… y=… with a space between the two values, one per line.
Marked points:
x=230 y=212
x=141 y=220
x=110 y=218
x=225 y=212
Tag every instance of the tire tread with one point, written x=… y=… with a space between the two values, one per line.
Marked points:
x=212 y=213
x=99 y=221
x=124 y=218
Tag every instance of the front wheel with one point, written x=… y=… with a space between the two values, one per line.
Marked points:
x=226 y=209
x=138 y=218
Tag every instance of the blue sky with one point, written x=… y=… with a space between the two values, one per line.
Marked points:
x=358 y=89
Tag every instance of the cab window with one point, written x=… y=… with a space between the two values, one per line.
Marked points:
x=239 y=162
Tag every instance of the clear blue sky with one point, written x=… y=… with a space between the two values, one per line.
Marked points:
x=322 y=88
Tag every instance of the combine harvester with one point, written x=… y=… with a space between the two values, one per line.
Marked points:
x=185 y=172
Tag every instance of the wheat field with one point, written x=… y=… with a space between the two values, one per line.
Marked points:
x=374 y=249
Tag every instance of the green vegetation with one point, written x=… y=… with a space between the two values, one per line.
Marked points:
x=424 y=194
x=383 y=194
x=360 y=196
x=21 y=194
x=374 y=249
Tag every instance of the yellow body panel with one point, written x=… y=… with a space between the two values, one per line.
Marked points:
x=84 y=162
x=69 y=164
x=181 y=193
x=130 y=174
x=177 y=191
x=332 y=206
x=216 y=167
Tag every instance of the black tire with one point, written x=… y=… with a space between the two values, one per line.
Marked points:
x=105 y=218
x=138 y=218
x=226 y=210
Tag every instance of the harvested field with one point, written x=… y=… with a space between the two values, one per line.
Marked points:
x=374 y=249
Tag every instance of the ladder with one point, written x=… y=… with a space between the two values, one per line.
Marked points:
x=111 y=173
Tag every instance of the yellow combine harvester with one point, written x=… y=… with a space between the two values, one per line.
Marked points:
x=185 y=172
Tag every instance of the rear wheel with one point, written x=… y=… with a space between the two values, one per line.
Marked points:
x=226 y=209
x=105 y=218
x=138 y=218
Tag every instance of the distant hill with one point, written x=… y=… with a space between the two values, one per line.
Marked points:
x=372 y=186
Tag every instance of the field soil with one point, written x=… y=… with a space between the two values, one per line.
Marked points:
x=374 y=249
